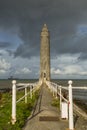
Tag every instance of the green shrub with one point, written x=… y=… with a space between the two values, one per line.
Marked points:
x=55 y=102
x=23 y=111
x=0 y=95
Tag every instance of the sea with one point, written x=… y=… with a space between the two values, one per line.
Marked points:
x=6 y=84
x=78 y=94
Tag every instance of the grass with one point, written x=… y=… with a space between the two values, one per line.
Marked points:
x=23 y=110
x=55 y=102
x=81 y=104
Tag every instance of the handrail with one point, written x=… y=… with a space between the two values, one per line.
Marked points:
x=80 y=87
x=32 y=87
x=54 y=89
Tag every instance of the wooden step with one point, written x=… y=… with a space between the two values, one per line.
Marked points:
x=48 y=118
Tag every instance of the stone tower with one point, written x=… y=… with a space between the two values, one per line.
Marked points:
x=45 y=54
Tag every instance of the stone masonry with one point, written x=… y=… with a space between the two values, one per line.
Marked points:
x=45 y=54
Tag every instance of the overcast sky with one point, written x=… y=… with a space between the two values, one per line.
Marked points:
x=21 y=22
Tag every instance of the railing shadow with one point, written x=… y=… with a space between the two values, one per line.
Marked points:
x=37 y=107
x=76 y=117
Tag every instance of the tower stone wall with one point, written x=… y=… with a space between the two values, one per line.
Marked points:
x=45 y=54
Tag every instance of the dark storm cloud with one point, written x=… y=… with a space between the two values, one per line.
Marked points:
x=10 y=52
x=83 y=56
x=0 y=54
x=61 y=16
x=5 y=44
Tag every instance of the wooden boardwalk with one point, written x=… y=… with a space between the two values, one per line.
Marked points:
x=45 y=116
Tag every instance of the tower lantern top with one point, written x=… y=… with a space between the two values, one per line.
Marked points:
x=45 y=26
x=45 y=30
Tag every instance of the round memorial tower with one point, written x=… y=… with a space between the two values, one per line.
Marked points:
x=45 y=54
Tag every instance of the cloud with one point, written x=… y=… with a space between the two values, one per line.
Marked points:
x=4 y=52
x=5 y=49
x=68 y=66
x=72 y=69
x=26 y=70
x=0 y=54
x=4 y=66
x=62 y=17
x=23 y=71
x=84 y=73
x=10 y=52
x=4 y=44
x=83 y=56
x=69 y=70
x=67 y=23
x=2 y=71
x=55 y=71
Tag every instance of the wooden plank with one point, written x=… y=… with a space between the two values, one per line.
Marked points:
x=48 y=118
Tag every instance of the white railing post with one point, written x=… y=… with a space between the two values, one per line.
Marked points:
x=26 y=94
x=13 y=102
x=50 y=86
x=56 y=91
x=31 y=91
x=53 y=90
x=71 y=127
x=60 y=98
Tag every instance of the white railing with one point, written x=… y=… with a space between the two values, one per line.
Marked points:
x=57 y=89
x=15 y=87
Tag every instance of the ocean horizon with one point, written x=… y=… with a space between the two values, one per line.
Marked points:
x=77 y=93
